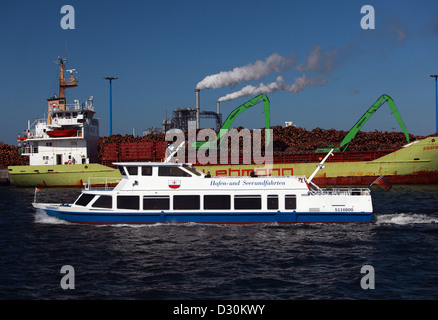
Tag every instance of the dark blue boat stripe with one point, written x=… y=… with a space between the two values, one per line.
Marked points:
x=179 y=214
x=211 y=217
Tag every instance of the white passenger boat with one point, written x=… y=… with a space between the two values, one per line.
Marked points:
x=167 y=192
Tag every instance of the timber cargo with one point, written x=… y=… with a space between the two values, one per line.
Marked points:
x=413 y=163
x=359 y=157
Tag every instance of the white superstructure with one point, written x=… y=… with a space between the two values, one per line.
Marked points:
x=174 y=192
x=68 y=135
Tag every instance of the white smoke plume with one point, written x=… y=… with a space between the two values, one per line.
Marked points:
x=279 y=85
x=255 y=71
x=318 y=61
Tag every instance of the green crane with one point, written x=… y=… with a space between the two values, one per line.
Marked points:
x=359 y=124
x=232 y=116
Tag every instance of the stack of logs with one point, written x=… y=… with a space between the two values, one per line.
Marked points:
x=10 y=156
x=117 y=138
x=286 y=139
x=293 y=139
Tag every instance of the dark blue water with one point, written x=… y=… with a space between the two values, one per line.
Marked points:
x=271 y=262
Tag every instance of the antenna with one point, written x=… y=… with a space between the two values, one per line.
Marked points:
x=320 y=165
x=174 y=152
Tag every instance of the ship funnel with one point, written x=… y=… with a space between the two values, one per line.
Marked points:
x=197 y=108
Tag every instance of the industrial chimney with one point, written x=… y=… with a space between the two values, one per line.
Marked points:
x=218 y=107
x=197 y=109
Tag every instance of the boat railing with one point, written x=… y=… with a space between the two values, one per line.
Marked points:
x=62 y=121
x=101 y=183
x=40 y=121
x=77 y=106
x=27 y=150
x=32 y=127
x=44 y=135
x=341 y=191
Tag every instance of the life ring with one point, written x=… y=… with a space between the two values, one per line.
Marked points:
x=31 y=134
x=69 y=161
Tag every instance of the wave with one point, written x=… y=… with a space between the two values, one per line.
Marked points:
x=42 y=217
x=406 y=218
x=381 y=219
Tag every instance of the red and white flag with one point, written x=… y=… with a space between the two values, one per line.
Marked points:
x=382 y=181
x=174 y=184
x=385 y=183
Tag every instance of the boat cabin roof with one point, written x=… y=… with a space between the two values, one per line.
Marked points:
x=155 y=164
x=164 y=169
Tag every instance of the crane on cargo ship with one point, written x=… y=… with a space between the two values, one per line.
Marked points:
x=359 y=124
x=232 y=116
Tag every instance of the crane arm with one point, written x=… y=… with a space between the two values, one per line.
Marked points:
x=232 y=116
x=359 y=124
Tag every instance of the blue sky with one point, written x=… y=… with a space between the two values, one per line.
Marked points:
x=160 y=51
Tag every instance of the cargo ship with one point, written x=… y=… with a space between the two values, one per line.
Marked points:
x=411 y=160
x=65 y=150
x=406 y=162
x=413 y=163
x=62 y=148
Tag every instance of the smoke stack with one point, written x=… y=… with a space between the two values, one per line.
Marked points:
x=218 y=107
x=197 y=108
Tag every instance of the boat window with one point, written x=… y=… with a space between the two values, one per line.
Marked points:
x=146 y=171
x=156 y=203
x=122 y=171
x=219 y=201
x=290 y=201
x=128 y=202
x=272 y=202
x=84 y=199
x=132 y=171
x=172 y=172
x=192 y=170
x=103 y=202
x=186 y=202
x=247 y=202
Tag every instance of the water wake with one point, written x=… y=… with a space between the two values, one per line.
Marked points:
x=406 y=218
x=42 y=217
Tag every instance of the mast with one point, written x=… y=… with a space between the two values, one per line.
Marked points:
x=63 y=83
x=59 y=102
